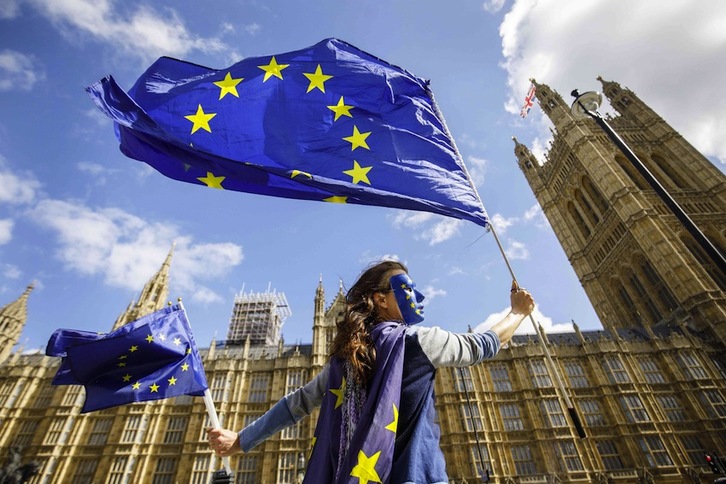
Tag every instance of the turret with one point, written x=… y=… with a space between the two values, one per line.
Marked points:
x=12 y=320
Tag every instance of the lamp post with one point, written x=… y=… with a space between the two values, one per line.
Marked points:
x=587 y=104
x=300 y=468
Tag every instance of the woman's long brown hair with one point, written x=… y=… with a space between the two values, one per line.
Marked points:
x=352 y=342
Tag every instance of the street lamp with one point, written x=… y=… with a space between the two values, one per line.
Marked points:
x=300 y=467
x=587 y=104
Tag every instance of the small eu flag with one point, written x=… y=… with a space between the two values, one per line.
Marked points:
x=329 y=123
x=151 y=358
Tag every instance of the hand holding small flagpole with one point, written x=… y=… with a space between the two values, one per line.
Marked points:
x=212 y=412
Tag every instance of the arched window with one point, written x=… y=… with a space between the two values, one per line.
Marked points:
x=579 y=221
x=643 y=298
x=672 y=171
x=584 y=204
x=630 y=170
x=700 y=255
x=625 y=305
x=600 y=203
x=657 y=286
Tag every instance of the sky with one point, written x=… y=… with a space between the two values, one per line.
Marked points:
x=89 y=227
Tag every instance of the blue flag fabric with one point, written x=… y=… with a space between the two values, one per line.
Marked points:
x=329 y=122
x=369 y=456
x=151 y=358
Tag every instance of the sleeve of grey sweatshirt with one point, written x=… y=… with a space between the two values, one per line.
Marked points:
x=286 y=412
x=444 y=348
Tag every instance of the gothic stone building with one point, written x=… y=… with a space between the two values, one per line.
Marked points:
x=649 y=387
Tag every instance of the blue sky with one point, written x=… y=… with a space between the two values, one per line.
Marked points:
x=89 y=226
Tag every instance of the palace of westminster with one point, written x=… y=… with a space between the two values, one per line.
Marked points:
x=649 y=388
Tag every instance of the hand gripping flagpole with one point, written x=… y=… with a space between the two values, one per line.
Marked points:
x=211 y=411
x=538 y=328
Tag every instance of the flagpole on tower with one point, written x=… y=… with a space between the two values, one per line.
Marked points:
x=538 y=328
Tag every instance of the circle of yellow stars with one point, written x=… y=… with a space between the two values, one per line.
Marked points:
x=228 y=86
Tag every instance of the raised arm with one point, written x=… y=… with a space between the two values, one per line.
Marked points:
x=444 y=348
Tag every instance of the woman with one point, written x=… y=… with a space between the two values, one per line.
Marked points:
x=377 y=417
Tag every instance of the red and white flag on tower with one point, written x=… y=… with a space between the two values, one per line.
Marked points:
x=528 y=101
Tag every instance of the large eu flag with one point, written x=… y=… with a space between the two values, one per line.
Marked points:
x=151 y=358
x=329 y=123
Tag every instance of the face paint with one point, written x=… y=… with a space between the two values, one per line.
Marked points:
x=408 y=298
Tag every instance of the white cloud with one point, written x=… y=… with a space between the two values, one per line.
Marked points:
x=6 y=230
x=126 y=250
x=253 y=28
x=411 y=220
x=477 y=168
x=431 y=227
x=10 y=271
x=97 y=171
x=141 y=32
x=526 y=327
x=17 y=187
x=430 y=292
x=493 y=6
x=516 y=250
x=442 y=231
x=18 y=71
x=501 y=224
x=669 y=53
x=535 y=215
x=9 y=9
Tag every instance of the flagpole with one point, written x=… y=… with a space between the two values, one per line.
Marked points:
x=209 y=403
x=538 y=329
x=212 y=412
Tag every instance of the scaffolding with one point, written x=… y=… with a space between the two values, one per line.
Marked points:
x=259 y=317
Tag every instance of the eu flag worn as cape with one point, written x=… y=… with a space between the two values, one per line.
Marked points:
x=329 y=123
x=151 y=358
x=370 y=450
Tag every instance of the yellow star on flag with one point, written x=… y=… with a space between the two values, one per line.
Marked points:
x=127 y=377
x=336 y=199
x=121 y=364
x=162 y=337
x=133 y=348
x=359 y=173
x=177 y=341
x=295 y=173
x=185 y=367
x=149 y=338
x=172 y=381
x=122 y=357
x=393 y=425
x=228 y=85
x=338 y=392
x=212 y=181
x=357 y=139
x=341 y=109
x=136 y=386
x=317 y=79
x=365 y=469
x=273 y=69
x=189 y=350
x=154 y=388
x=200 y=119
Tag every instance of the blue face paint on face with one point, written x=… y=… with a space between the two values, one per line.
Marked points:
x=408 y=298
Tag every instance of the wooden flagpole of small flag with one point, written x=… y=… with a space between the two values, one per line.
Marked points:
x=213 y=418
